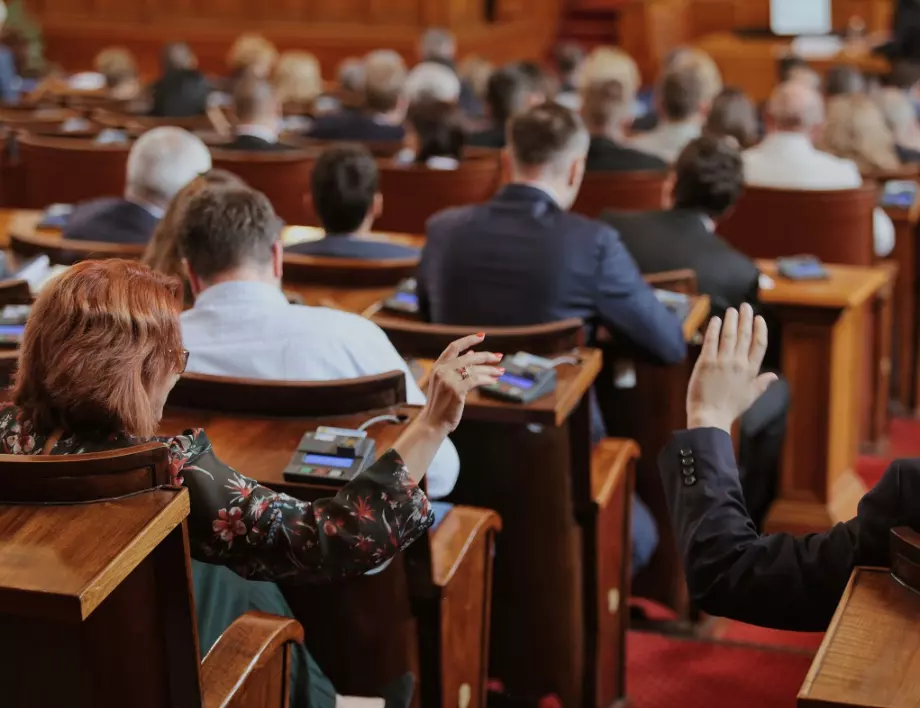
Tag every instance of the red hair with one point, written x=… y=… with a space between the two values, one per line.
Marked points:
x=98 y=336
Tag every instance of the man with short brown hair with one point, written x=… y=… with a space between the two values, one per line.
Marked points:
x=683 y=107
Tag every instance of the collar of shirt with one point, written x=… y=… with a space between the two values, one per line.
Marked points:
x=708 y=223
x=154 y=210
x=238 y=292
x=787 y=141
x=258 y=131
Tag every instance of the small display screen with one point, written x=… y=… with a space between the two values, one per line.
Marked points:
x=327 y=460
x=518 y=381
x=805 y=269
x=11 y=330
x=407 y=298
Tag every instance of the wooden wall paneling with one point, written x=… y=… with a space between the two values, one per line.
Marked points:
x=649 y=29
x=752 y=13
x=119 y=10
x=708 y=16
x=394 y=12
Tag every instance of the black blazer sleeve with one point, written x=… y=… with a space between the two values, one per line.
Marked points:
x=778 y=580
x=627 y=304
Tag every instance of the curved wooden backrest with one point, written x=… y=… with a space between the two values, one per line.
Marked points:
x=908 y=172
x=624 y=191
x=306 y=399
x=15 y=292
x=18 y=117
x=427 y=341
x=283 y=176
x=411 y=194
x=77 y=478
x=835 y=226
x=347 y=272
x=67 y=170
x=68 y=252
x=116 y=119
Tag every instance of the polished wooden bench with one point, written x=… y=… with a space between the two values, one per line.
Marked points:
x=102 y=593
x=429 y=611
x=624 y=191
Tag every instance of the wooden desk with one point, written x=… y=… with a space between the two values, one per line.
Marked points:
x=750 y=63
x=452 y=619
x=649 y=413
x=905 y=303
x=822 y=335
x=870 y=656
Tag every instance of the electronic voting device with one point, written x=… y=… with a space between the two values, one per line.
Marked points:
x=526 y=378
x=331 y=455
x=405 y=299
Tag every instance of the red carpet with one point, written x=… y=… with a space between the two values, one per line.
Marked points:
x=741 y=665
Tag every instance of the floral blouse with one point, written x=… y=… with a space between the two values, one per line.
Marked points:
x=236 y=522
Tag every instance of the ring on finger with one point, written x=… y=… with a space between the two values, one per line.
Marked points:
x=464 y=372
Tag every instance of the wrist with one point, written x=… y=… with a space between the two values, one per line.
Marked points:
x=429 y=427
x=709 y=419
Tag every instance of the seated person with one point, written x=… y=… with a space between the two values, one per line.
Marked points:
x=901 y=116
x=439 y=46
x=434 y=135
x=243 y=325
x=350 y=78
x=523 y=259
x=161 y=162
x=119 y=68
x=709 y=181
x=607 y=111
x=856 y=130
x=383 y=109
x=569 y=59
x=794 y=68
x=429 y=81
x=776 y=580
x=683 y=104
x=787 y=158
x=842 y=80
x=474 y=72
x=182 y=91
x=258 y=116
x=345 y=191
x=297 y=81
x=509 y=91
x=101 y=351
x=733 y=115
x=251 y=55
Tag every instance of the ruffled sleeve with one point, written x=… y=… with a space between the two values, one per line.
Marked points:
x=263 y=535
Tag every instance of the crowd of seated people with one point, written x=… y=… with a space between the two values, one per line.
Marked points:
x=521 y=258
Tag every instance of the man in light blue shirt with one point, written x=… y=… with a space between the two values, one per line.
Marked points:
x=242 y=324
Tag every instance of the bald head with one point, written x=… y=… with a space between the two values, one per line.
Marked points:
x=795 y=107
x=254 y=101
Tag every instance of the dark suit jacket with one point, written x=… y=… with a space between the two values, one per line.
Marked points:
x=354 y=125
x=676 y=239
x=252 y=143
x=111 y=220
x=607 y=156
x=493 y=137
x=907 y=155
x=344 y=246
x=779 y=580
x=521 y=260
x=180 y=94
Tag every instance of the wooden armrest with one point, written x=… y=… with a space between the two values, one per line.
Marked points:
x=681 y=281
x=455 y=536
x=247 y=645
x=611 y=461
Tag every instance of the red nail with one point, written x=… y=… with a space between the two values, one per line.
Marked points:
x=481 y=335
x=502 y=369
x=499 y=355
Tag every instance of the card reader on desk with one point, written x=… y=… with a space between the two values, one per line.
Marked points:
x=331 y=455
x=404 y=299
x=526 y=378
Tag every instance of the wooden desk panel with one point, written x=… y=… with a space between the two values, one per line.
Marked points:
x=870 y=656
x=822 y=333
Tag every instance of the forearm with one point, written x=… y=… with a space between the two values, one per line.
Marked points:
x=418 y=445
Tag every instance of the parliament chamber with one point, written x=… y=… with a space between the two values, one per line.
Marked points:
x=460 y=353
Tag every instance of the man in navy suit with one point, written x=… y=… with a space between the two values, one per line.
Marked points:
x=161 y=162
x=384 y=105
x=523 y=259
x=346 y=198
x=182 y=90
x=259 y=117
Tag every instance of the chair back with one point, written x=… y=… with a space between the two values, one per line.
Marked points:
x=426 y=341
x=413 y=193
x=347 y=272
x=79 y=478
x=836 y=226
x=15 y=292
x=68 y=170
x=66 y=251
x=120 y=120
x=283 y=176
x=34 y=116
x=306 y=399
x=624 y=191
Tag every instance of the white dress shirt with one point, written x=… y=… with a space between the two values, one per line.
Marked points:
x=668 y=140
x=249 y=329
x=791 y=161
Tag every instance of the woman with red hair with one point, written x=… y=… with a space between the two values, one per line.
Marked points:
x=101 y=352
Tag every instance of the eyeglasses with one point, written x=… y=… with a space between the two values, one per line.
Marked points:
x=184 y=361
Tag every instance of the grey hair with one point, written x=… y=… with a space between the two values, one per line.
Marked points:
x=437 y=43
x=162 y=161
x=431 y=81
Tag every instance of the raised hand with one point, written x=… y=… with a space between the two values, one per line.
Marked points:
x=726 y=379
